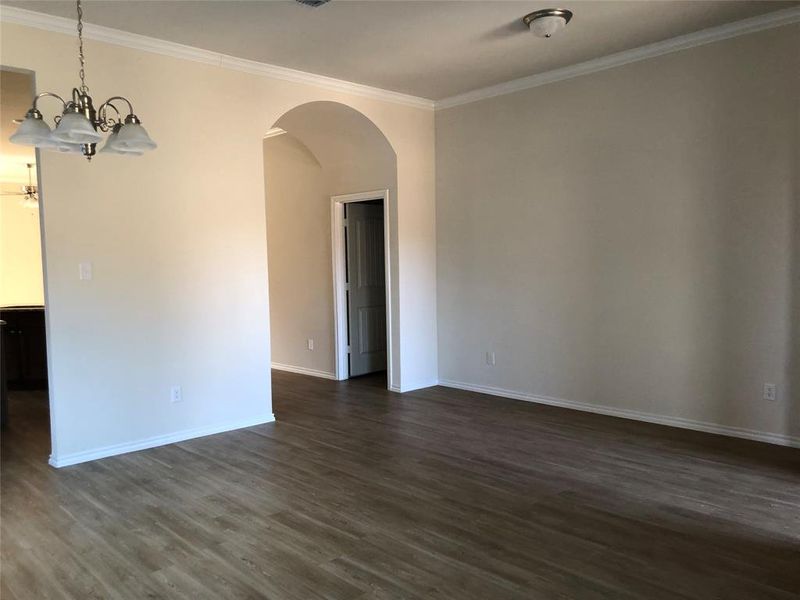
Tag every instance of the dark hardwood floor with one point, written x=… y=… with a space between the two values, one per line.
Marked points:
x=360 y=493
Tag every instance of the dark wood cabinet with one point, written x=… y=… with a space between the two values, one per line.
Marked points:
x=24 y=348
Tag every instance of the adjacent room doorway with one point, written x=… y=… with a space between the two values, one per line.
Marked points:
x=24 y=402
x=362 y=284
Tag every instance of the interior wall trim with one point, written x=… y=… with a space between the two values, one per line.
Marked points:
x=75 y=458
x=304 y=371
x=738 y=432
x=683 y=42
x=415 y=385
x=28 y=18
x=339 y=275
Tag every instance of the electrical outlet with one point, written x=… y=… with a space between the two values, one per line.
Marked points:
x=770 y=392
x=175 y=394
x=310 y=344
x=490 y=359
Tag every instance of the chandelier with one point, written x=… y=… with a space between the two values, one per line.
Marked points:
x=77 y=127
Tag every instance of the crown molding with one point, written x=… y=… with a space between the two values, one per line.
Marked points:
x=28 y=18
x=683 y=42
x=321 y=81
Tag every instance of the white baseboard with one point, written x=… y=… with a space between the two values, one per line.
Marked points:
x=327 y=375
x=739 y=432
x=152 y=442
x=303 y=371
x=410 y=387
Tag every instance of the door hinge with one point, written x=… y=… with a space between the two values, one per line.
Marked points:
x=348 y=349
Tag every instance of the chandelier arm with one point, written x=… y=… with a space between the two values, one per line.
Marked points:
x=79 y=98
x=50 y=95
x=104 y=121
x=110 y=102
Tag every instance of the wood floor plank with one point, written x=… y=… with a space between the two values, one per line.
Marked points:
x=357 y=493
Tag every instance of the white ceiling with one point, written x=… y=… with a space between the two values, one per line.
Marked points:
x=432 y=49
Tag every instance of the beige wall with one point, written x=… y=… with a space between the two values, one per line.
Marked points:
x=178 y=242
x=298 y=234
x=624 y=239
x=341 y=152
x=21 y=281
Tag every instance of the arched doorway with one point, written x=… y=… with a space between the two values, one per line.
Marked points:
x=319 y=159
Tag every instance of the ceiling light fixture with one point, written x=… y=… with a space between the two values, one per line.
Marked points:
x=29 y=193
x=547 y=22
x=77 y=127
x=313 y=3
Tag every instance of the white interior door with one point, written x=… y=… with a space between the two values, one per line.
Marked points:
x=366 y=308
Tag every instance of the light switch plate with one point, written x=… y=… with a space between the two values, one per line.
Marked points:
x=85 y=271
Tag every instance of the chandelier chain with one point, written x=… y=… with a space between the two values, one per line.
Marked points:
x=84 y=88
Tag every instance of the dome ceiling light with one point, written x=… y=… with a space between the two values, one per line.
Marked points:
x=77 y=127
x=547 y=22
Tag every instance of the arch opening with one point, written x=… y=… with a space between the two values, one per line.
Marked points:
x=319 y=159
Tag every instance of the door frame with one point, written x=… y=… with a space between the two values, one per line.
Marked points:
x=339 y=275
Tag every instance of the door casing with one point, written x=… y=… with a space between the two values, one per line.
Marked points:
x=339 y=277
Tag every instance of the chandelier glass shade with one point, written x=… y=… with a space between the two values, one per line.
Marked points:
x=75 y=128
x=80 y=127
x=112 y=144
x=31 y=132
